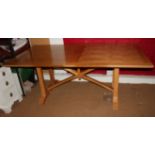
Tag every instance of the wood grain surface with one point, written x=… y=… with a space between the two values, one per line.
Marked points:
x=83 y=56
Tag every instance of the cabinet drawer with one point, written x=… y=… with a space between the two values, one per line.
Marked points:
x=6 y=83
x=9 y=96
x=5 y=72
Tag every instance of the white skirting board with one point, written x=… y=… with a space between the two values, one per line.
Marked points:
x=132 y=79
x=56 y=41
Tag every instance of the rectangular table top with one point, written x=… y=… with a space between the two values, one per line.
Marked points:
x=82 y=55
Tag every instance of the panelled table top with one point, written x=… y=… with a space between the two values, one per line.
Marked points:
x=82 y=55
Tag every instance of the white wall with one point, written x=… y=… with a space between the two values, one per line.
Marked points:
x=56 y=40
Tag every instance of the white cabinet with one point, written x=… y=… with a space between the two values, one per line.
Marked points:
x=10 y=90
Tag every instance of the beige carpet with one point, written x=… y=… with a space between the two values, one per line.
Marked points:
x=86 y=99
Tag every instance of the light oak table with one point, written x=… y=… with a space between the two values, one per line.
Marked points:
x=79 y=60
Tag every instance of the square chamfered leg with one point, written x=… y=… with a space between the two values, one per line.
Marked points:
x=115 y=88
x=51 y=74
x=42 y=85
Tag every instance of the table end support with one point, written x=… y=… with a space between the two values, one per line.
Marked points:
x=42 y=86
x=115 y=88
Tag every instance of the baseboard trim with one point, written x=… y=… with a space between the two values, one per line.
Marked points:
x=59 y=75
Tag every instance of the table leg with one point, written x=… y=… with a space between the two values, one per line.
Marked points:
x=51 y=73
x=115 y=88
x=42 y=85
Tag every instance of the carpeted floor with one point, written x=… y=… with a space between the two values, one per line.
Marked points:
x=86 y=99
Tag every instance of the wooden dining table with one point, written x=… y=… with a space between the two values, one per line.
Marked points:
x=79 y=60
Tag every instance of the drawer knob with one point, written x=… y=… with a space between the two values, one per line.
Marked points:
x=6 y=83
x=11 y=94
x=3 y=73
